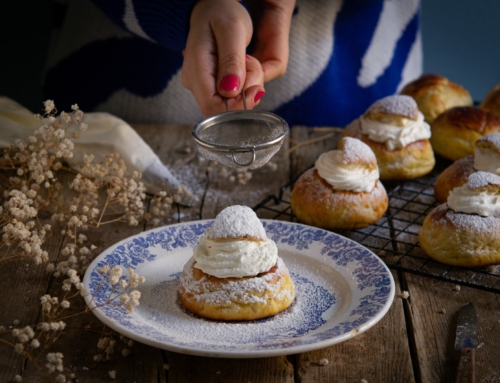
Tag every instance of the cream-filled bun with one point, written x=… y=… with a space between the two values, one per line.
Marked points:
x=235 y=272
x=455 y=131
x=395 y=130
x=434 y=94
x=465 y=231
x=342 y=191
x=486 y=158
x=491 y=102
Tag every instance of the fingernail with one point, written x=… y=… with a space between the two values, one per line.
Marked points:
x=259 y=95
x=230 y=82
x=247 y=57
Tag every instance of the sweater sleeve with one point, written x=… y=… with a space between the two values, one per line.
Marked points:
x=165 y=22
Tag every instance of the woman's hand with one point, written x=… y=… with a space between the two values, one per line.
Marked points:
x=215 y=64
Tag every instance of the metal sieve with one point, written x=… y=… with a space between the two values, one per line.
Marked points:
x=242 y=138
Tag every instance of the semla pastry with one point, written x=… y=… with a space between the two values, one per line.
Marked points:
x=342 y=191
x=491 y=102
x=455 y=131
x=465 y=231
x=434 y=94
x=235 y=272
x=486 y=158
x=395 y=130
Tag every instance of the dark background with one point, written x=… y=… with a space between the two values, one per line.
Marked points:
x=461 y=40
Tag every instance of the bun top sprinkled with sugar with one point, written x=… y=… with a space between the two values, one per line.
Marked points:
x=237 y=222
x=357 y=152
x=396 y=105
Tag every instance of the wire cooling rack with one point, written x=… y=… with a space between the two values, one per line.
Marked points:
x=394 y=238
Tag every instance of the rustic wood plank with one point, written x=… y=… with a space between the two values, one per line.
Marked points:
x=434 y=330
x=22 y=283
x=186 y=369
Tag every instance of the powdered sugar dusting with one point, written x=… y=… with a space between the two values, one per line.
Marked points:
x=314 y=294
x=472 y=223
x=482 y=179
x=356 y=151
x=236 y=222
x=400 y=105
x=204 y=290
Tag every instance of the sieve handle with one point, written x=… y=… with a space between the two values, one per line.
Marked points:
x=247 y=163
x=244 y=101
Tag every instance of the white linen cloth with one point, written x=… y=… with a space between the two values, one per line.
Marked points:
x=105 y=133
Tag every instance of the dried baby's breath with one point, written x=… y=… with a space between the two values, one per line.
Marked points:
x=36 y=177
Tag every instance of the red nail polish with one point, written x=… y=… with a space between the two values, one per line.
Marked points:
x=247 y=57
x=230 y=82
x=259 y=95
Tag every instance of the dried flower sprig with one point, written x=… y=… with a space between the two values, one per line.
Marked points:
x=35 y=177
x=33 y=341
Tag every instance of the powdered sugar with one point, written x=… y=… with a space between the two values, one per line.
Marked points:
x=482 y=179
x=204 y=290
x=314 y=294
x=236 y=222
x=356 y=151
x=472 y=223
x=400 y=105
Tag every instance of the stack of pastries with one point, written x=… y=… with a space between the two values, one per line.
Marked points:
x=394 y=128
x=342 y=191
x=235 y=272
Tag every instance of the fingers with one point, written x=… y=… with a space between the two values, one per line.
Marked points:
x=273 y=31
x=214 y=64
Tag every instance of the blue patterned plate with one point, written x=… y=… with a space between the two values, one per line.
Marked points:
x=343 y=289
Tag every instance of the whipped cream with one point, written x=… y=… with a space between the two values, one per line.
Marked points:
x=472 y=201
x=235 y=257
x=396 y=137
x=486 y=160
x=357 y=177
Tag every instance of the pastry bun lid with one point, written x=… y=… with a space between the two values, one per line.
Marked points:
x=395 y=106
x=237 y=222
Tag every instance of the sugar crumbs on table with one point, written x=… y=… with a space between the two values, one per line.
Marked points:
x=404 y=294
x=323 y=362
x=456 y=288
x=364 y=381
x=112 y=374
x=442 y=311
x=166 y=366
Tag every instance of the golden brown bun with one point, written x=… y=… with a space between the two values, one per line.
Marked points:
x=458 y=239
x=453 y=176
x=434 y=94
x=491 y=102
x=412 y=161
x=455 y=131
x=230 y=299
x=315 y=203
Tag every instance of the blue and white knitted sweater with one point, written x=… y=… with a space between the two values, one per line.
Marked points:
x=124 y=57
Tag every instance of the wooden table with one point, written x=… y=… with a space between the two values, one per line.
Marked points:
x=412 y=343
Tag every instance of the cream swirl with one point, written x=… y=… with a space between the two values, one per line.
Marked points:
x=487 y=160
x=396 y=137
x=357 y=177
x=463 y=199
x=235 y=257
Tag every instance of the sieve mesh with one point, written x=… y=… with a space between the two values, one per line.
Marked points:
x=234 y=138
